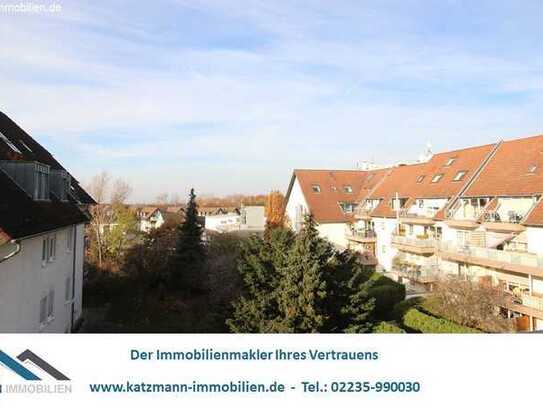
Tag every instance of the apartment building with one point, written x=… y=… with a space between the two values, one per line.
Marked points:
x=332 y=197
x=43 y=212
x=474 y=213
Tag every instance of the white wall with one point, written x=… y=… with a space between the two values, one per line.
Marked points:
x=385 y=228
x=534 y=236
x=153 y=222
x=220 y=223
x=24 y=281
x=335 y=233
x=296 y=200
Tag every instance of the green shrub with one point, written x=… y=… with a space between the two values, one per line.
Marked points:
x=402 y=307
x=386 y=297
x=387 y=328
x=421 y=322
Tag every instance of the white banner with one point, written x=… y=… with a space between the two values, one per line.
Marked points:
x=134 y=370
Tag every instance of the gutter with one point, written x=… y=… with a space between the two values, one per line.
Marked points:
x=13 y=253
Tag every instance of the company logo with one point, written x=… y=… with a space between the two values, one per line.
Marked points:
x=29 y=358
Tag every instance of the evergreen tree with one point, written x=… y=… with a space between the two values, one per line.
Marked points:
x=260 y=265
x=303 y=289
x=301 y=285
x=188 y=262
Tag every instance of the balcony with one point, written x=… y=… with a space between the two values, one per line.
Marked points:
x=425 y=272
x=361 y=236
x=425 y=217
x=363 y=213
x=525 y=304
x=515 y=262
x=417 y=245
x=510 y=224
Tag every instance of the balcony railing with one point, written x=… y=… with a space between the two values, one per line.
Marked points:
x=514 y=258
x=362 y=212
x=532 y=301
x=427 y=213
x=360 y=234
x=422 y=242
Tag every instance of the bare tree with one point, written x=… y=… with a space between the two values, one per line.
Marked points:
x=121 y=191
x=471 y=303
x=98 y=188
x=103 y=213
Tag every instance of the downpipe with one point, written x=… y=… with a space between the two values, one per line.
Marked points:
x=14 y=253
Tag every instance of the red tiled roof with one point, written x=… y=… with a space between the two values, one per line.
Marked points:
x=467 y=159
x=535 y=218
x=324 y=205
x=508 y=171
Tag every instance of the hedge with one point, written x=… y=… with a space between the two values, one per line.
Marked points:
x=402 y=307
x=387 y=328
x=421 y=322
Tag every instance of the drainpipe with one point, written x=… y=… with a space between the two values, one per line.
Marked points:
x=74 y=249
x=14 y=253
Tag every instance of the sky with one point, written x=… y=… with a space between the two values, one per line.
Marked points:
x=230 y=96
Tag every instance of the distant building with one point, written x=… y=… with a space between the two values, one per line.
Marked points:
x=223 y=223
x=252 y=218
x=43 y=212
x=149 y=218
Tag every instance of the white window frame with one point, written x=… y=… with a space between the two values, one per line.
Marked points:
x=43 y=310
x=436 y=178
x=450 y=161
x=51 y=305
x=44 y=250
x=52 y=248
x=460 y=175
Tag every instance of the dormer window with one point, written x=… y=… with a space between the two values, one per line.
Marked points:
x=459 y=175
x=9 y=143
x=347 y=189
x=420 y=179
x=32 y=177
x=450 y=161
x=437 y=178
x=316 y=188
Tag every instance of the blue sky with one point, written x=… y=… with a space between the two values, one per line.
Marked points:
x=230 y=96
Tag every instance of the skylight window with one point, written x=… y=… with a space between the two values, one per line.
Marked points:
x=437 y=178
x=450 y=161
x=316 y=188
x=347 y=189
x=25 y=146
x=459 y=175
x=420 y=179
x=9 y=143
x=532 y=169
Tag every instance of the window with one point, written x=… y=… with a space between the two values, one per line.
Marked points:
x=370 y=177
x=459 y=175
x=51 y=304
x=41 y=184
x=316 y=188
x=44 y=250
x=43 y=309
x=437 y=178
x=450 y=161
x=421 y=203
x=9 y=143
x=68 y=289
x=532 y=169
x=70 y=238
x=347 y=189
x=420 y=179
x=347 y=207
x=52 y=245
